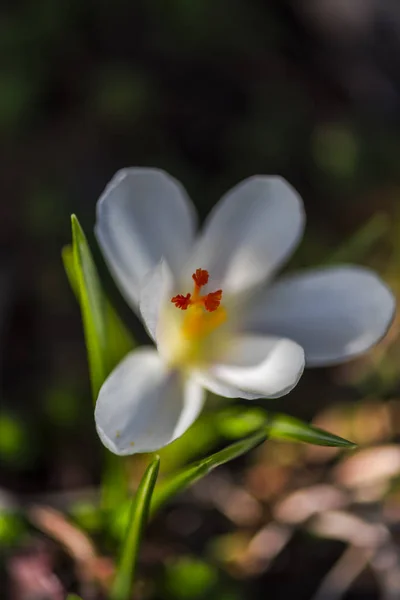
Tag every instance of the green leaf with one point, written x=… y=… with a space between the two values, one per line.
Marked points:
x=178 y=482
x=73 y=597
x=67 y=255
x=235 y=422
x=122 y=586
x=275 y=426
x=92 y=305
x=284 y=427
x=199 y=440
x=107 y=339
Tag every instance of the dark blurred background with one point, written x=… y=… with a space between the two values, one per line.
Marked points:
x=212 y=91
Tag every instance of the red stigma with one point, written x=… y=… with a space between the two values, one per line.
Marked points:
x=209 y=301
x=212 y=300
x=181 y=301
x=200 y=277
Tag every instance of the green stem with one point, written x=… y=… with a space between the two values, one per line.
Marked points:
x=123 y=582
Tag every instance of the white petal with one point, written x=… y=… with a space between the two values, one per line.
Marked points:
x=155 y=289
x=143 y=406
x=251 y=231
x=333 y=313
x=143 y=215
x=256 y=367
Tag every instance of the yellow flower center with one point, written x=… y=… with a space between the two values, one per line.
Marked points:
x=189 y=339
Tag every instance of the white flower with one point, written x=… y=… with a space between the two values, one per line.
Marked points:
x=209 y=304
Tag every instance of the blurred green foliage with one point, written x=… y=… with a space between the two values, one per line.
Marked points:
x=15 y=443
x=189 y=578
x=62 y=407
x=12 y=528
x=88 y=516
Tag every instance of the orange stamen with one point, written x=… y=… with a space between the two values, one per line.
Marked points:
x=212 y=300
x=181 y=301
x=200 y=277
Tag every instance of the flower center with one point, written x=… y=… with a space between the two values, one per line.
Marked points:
x=210 y=301
x=203 y=315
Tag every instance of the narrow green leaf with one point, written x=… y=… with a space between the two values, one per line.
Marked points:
x=234 y=422
x=122 y=586
x=278 y=426
x=107 y=340
x=118 y=339
x=92 y=305
x=73 y=597
x=180 y=481
x=283 y=427
x=67 y=255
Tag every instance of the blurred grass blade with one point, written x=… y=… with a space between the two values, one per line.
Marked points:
x=362 y=241
x=118 y=339
x=178 y=482
x=122 y=586
x=92 y=305
x=73 y=597
x=235 y=421
x=278 y=426
x=284 y=427
x=68 y=261
x=107 y=340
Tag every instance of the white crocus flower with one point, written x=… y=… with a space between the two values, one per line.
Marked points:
x=209 y=303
